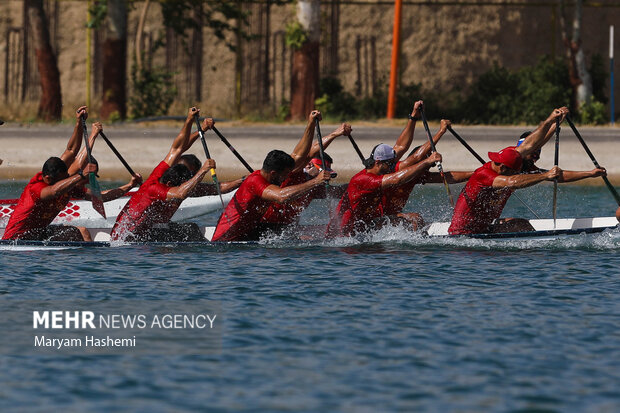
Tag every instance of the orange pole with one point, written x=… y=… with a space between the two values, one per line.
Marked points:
x=398 y=5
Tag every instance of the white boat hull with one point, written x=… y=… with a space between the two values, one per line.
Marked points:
x=566 y=227
x=80 y=212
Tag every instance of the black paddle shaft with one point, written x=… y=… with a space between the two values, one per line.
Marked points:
x=466 y=145
x=583 y=143
x=556 y=158
x=357 y=149
x=85 y=134
x=202 y=136
x=320 y=139
x=117 y=153
x=233 y=150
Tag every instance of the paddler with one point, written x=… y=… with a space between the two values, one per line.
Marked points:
x=279 y=216
x=361 y=206
x=395 y=199
x=240 y=220
x=482 y=200
x=148 y=212
x=530 y=158
x=49 y=191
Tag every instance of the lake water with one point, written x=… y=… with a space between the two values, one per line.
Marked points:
x=392 y=323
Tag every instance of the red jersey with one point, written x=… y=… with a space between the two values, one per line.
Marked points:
x=359 y=206
x=146 y=207
x=289 y=212
x=395 y=199
x=244 y=211
x=479 y=203
x=31 y=212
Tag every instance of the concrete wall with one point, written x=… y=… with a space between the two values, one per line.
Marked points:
x=443 y=46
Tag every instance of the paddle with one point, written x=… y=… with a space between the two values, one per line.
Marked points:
x=234 y=151
x=319 y=138
x=596 y=165
x=438 y=164
x=204 y=146
x=556 y=159
x=473 y=152
x=95 y=191
x=357 y=149
x=118 y=155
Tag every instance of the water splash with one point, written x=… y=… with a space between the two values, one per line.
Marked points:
x=399 y=236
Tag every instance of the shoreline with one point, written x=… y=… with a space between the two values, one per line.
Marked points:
x=25 y=148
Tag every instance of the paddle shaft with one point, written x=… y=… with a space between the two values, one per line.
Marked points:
x=466 y=145
x=473 y=152
x=583 y=143
x=86 y=145
x=357 y=149
x=117 y=153
x=319 y=138
x=96 y=199
x=556 y=160
x=232 y=149
x=439 y=166
x=206 y=149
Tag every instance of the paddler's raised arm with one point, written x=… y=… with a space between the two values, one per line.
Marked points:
x=75 y=141
x=343 y=130
x=407 y=174
x=182 y=191
x=425 y=150
x=274 y=193
x=65 y=185
x=207 y=124
x=406 y=136
x=519 y=181
x=180 y=142
x=542 y=133
x=300 y=152
x=82 y=158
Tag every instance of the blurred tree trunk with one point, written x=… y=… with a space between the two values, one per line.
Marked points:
x=579 y=76
x=115 y=61
x=305 y=71
x=50 y=105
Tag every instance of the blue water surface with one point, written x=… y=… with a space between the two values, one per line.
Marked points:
x=391 y=323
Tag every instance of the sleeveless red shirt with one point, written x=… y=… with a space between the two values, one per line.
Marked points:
x=479 y=203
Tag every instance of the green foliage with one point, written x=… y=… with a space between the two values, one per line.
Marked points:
x=115 y=117
x=501 y=96
x=593 y=113
x=336 y=103
x=98 y=12
x=284 y=111
x=153 y=91
x=498 y=96
x=220 y=16
x=296 y=35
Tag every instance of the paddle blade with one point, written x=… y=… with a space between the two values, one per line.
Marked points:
x=95 y=192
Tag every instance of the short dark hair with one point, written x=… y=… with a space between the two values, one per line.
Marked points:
x=175 y=175
x=191 y=160
x=54 y=167
x=278 y=161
